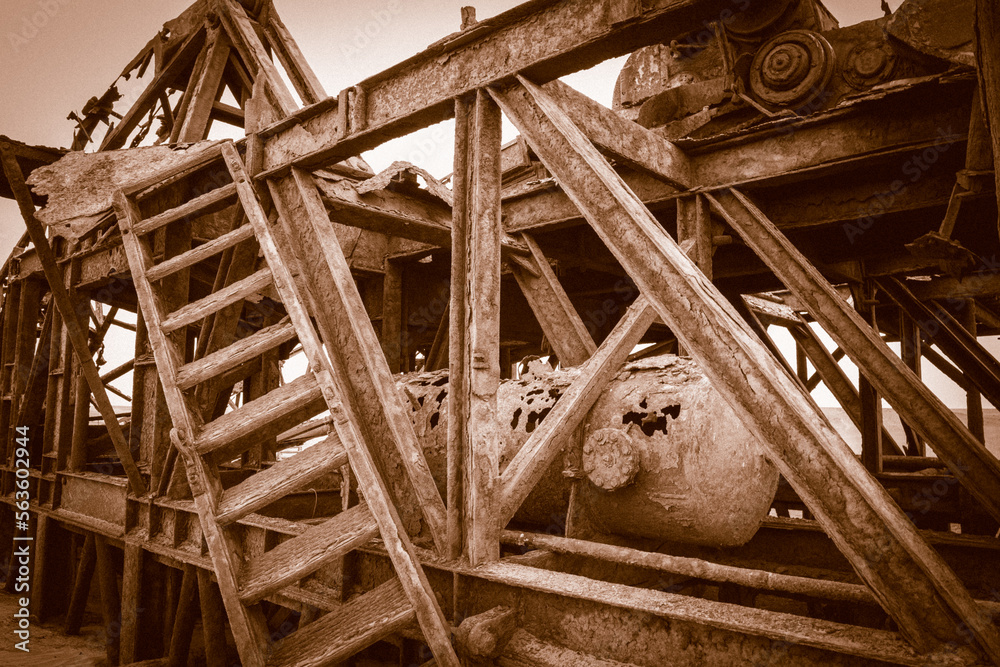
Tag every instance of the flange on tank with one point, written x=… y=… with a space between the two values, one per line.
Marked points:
x=663 y=455
x=666 y=458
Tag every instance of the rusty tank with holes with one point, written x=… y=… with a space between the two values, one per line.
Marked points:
x=661 y=456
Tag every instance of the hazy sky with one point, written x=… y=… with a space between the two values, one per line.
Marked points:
x=56 y=54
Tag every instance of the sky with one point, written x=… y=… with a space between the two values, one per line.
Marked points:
x=56 y=54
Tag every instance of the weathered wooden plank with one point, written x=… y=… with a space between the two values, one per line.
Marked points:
x=548 y=439
x=973 y=398
x=695 y=568
x=347 y=630
x=240 y=352
x=155 y=183
x=210 y=202
x=228 y=114
x=404 y=224
x=81 y=424
x=216 y=301
x=302 y=555
x=32 y=404
x=694 y=232
x=266 y=486
x=300 y=394
x=199 y=253
x=910 y=347
x=967 y=458
x=561 y=323
x=910 y=580
x=893 y=129
x=78 y=332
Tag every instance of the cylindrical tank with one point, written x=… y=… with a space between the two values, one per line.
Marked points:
x=662 y=456
x=699 y=475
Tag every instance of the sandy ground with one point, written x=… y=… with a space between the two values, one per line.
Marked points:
x=49 y=647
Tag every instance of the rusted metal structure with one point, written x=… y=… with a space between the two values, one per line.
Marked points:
x=432 y=487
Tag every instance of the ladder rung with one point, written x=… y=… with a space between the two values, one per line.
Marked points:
x=347 y=630
x=171 y=175
x=303 y=554
x=209 y=202
x=199 y=254
x=290 y=399
x=240 y=352
x=215 y=302
x=264 y=487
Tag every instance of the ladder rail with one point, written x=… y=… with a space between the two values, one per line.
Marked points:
x=404 y=559
x=244 y=584
x=247 y=623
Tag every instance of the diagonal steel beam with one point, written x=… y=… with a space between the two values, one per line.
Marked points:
x=546 y=38
x=982 y=369
x=559 y=320
x=967 y=458
x=909 y=579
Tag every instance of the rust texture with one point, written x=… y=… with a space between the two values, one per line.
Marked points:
x=559 y=407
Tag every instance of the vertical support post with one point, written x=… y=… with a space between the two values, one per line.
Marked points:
x=81 y=424
x=213 y=620
x=81 y=586
x=131 y=595
x=910 y=344
x=801 y=364
x=457 y=313
x=392 y=313
x=57 y=399
x=987 y=29
x=110 y=603
x=974 y=399
x=871 y=402
x=694 y=231
x=143 y=397
x=184 y=618
x=694 y=236
x=39 y=578
x=479 y=287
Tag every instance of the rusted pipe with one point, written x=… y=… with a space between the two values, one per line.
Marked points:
x=695 y=568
